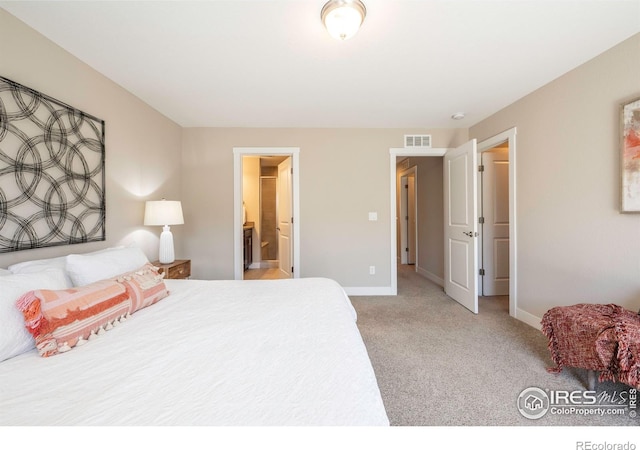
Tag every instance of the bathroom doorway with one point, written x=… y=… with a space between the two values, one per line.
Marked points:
x=266 y=253
x=266 y=200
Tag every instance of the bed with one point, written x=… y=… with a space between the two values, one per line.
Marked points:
x=218 y=353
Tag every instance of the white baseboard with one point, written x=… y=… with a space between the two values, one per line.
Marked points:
x=528 y=318
x=430 y=276
x=357 y=291
x=268 y=264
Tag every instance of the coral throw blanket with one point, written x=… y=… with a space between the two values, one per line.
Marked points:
x=605 y=338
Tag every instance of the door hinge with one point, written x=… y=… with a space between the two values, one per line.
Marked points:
x=291 y=269
x=481 y=272
x=406 y=249
x=480 y=219
x=292 y=220
x=481 y=168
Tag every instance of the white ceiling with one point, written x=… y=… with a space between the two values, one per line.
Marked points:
x=269 y=63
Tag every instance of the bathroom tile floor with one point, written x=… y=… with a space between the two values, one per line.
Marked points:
x=264 y=274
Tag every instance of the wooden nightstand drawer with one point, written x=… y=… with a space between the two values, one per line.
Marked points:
x=179 y=269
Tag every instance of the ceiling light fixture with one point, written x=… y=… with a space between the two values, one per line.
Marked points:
x=458 y=116
x=343 y=18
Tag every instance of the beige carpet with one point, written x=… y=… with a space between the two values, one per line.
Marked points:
x=439 y=364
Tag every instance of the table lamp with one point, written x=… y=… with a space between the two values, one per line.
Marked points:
x=164 y=212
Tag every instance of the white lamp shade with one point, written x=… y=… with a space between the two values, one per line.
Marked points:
x=343 y=18
x=163 y=212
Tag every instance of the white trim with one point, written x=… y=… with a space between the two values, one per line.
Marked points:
x=269 y=264
x=430 y=276
x=393 y=155
x=238 y=153
x=366 y=291
x=529 y=319
x=510 y=137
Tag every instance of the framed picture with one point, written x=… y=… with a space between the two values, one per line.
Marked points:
x=51 y=171
x=630 y=156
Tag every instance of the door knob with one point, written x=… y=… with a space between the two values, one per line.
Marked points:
x=470 y=233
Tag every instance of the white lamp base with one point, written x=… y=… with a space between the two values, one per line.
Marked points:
x=166 y=246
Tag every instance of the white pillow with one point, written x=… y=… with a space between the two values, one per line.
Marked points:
x=14 y=337
x=38 y=265
x=89 y=268
x=60 y=262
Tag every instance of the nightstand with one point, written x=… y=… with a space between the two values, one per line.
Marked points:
x=179 y=269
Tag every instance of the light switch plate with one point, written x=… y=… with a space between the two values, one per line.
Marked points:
x=373 y=216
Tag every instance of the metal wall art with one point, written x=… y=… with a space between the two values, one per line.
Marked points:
x=52 y=183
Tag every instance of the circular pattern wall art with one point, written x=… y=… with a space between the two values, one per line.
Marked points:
x=51 y=171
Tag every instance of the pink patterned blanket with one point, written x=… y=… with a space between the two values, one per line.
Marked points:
x=605 y=338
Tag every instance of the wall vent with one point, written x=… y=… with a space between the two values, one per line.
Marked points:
x=417 y=140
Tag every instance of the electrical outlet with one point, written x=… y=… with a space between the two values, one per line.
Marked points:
x=372 y=270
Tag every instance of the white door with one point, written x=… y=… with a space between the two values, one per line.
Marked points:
x=285 y=218
x=461 y=225
x=407 y=226
x=495 y=229
x=411 y=219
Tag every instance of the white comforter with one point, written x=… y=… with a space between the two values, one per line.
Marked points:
x=278 y=352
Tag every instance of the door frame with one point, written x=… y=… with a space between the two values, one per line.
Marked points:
x=238 y=153
x=486 y=253
x=505 y=136
x=509 y=136
x=394 y=153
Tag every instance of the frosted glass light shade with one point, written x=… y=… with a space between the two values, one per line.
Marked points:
x=343 y=18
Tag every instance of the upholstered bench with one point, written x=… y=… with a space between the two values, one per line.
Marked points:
x=602 y=339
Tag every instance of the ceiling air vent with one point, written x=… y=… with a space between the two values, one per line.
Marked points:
x=417 y=140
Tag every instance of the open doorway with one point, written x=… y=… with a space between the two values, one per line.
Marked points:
x=507 y=137
x=498 y=238
x=266 y=200
x=408 y=216
x=266 y=203
x=493 y=228
x=401 y=161
x=420 y=216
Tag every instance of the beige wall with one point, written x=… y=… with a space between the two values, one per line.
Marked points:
x=430 y=193
x=142 y=146
x=251 y=199
x=573 y=243
x=344 y=175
